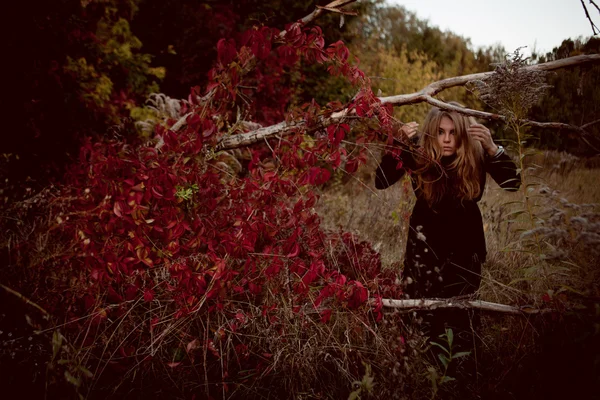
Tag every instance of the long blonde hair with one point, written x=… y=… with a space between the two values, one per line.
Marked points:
x=461 y=176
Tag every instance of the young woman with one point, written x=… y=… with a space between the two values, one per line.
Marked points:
x=446 y=243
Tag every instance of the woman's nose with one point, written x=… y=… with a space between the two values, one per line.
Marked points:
x=446 y=137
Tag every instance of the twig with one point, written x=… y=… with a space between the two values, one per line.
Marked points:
x=590 y=124
x=25 y=300
x=587 y=15
x=432 y=304
x=335 y=6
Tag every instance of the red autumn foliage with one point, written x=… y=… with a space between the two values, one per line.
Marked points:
x=169 y=220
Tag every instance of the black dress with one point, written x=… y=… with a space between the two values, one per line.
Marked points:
x=446 y=242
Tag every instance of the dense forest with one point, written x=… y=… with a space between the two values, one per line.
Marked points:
x=153 y=247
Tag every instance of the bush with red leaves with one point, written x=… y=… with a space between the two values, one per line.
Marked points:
x=147 y=234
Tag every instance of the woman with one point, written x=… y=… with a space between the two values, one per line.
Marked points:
x=446 y=243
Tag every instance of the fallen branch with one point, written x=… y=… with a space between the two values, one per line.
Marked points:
x=432 y=304
x=425 y=95
x=439 y=86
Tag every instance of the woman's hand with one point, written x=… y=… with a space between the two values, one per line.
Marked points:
x=410 y=129
x=482 y=135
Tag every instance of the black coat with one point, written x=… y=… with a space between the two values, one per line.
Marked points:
x=446 y=242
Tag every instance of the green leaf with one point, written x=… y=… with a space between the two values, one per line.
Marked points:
x=443 y=359
x=56 y=343
x=515 y=213
x=512 y=202
x=441 y=347
x=450 y=336
x=521 y=280
x=433 y=377
x=86 y=371
x=71 y=379
x=461 y=354
x=570 y=289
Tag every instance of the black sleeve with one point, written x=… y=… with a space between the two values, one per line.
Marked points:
x=392 y=168
x=504 y=171
x=387 y=174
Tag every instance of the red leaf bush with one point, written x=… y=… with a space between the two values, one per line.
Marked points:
x=213 y=263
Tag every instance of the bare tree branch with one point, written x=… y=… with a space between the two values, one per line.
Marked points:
x=432 y=304
x=439 y=86
x=424 y=95
x=497 y=117
x=590 y=124
x=335 y=6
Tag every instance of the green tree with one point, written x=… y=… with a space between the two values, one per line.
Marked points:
x=74 y=68
x=404 y=54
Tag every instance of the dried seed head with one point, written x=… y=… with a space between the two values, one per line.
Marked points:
x=511 y=90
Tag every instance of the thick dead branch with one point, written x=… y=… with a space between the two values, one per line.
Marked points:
x=432 y=304
x=425 y=95
x=439 y=86
x=282 y=128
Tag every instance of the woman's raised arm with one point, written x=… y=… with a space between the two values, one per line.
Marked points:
x=503 y=170
x=392 y=168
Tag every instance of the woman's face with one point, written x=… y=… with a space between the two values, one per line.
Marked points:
x=446 y=137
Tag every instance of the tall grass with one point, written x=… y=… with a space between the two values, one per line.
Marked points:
x=565 y=276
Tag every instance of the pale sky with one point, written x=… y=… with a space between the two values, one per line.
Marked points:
x=512 y=23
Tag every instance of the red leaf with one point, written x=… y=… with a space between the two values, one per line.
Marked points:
x=351 y=165
x=226 y=51
x=337 y=133
x=295 y=250
x=148 y=295
x=325 y=316
x=318 y=176
x=118 y=209
x=156 y=192
x=193 y=345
